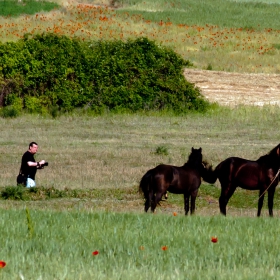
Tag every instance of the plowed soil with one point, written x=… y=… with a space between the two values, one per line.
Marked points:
x=233 y=89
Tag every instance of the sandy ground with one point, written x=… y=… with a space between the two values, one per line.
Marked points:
x=234 y=89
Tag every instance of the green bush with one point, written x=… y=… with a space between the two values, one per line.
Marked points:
x=13 y=193
x=49 y=70
x=161 y=150
x=13 y=108
x=33 y=104
x=9 y=112
x=14 y=101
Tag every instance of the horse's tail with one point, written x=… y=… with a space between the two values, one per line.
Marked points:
x=209 y=174
x=144 y=186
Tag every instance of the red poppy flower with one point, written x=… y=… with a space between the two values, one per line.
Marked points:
x=2 y=264
x=95 y=253
x=164 y=248
x=214 y=239
x=174 y=214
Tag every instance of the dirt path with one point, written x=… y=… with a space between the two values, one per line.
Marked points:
x=233 y=88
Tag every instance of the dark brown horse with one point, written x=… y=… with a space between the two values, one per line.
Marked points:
x=180 y=180
x=261 y=175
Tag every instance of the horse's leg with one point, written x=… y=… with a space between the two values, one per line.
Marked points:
x=193 y=198
x=149 y=197
x=271 y=192
x=186 y=200
x=222 y=203
x=226 y=194
x=260 y=203
x=156 y=200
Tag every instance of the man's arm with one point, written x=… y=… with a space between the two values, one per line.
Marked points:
x=38 y=164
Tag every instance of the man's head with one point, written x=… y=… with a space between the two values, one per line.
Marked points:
x=33 y=147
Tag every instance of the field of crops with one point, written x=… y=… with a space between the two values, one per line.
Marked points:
x=235 y=36
x=85 y=220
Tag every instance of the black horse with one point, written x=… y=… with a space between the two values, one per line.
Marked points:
x=180 y=180
x=261 y=175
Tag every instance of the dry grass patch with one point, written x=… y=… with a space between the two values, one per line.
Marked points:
x=114 y=151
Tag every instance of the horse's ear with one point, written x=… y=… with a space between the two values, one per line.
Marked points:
x=192 y=149
x=200 y=149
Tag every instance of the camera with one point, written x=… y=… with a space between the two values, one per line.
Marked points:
x=43 y=165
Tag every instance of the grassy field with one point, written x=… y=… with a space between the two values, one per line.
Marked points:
x=85 y=220
x=17 y=8
x=235 y=36
x=105 y=245
x=116 y=150
x=112 y=152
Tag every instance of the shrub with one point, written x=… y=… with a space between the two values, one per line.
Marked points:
x=14 y=193
x=161 y=150
x=54 y=111
x=14 y=101
x=49 y=70
x=33 y=104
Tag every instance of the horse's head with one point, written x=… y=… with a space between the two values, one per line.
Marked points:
x=277 y=153
x=278 y=150
x=195 y=157
x=272 y=158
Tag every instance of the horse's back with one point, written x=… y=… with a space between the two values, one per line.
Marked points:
x=164 y=172
x=184 y=179
x=242 y=172
x=231 y=163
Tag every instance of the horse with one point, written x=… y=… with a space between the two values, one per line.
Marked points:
x=184 y=180
x=233 y=172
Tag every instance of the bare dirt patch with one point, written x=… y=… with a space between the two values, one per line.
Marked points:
x=234 y=88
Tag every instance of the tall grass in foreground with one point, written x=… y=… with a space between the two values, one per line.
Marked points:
x=131 y=246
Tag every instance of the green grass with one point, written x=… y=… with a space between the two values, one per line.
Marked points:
x=61 y=246
x=208 y=197
x=103 y=158
x=114 y=151
x=15 y=8
x=233 y=14
x=95 y=164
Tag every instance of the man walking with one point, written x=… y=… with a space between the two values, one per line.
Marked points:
x=29 y=165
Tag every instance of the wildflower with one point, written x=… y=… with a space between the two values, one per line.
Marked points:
x=141 y=248
x=214 y=239
x=2 y=264
x=174 y=214
x=95 y=253
x=164 y=248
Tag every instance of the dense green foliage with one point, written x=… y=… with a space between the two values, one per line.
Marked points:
x=48 y=70
x=16 y=8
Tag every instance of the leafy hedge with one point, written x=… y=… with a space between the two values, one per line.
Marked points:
x=43 y=71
